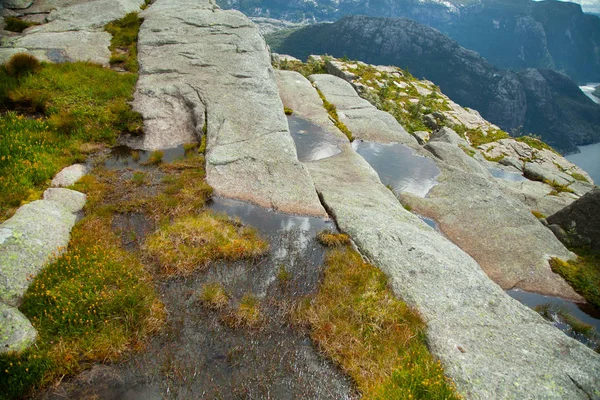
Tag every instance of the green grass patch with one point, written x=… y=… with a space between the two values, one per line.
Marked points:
x=477 y=137
x=288 y=111
x=536 y=143
x=78 y=110
x=90 y=305
x=538 y=214
x=375 y=338
x=213 y=296
x=306 y=69
x=557 y=188
x=583 y=274
x=15 y=24
x=123 y=45
x=580 y=177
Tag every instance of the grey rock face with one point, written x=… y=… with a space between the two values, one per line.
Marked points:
x=581 y=220
x=204 y=66
x=70 y=199
x=489 y=344
x=361 y=117
x=536 y=195
x=17 y=4
x=447 y=135
x=509 y=243
x=16 y=332
x=28 y=240
x=75 y=32
x=69 y=175
x=538 y=173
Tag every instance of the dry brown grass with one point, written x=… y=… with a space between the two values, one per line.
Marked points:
x=213 y=296
x=331 y=239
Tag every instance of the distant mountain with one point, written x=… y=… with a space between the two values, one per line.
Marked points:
x=512 y=34
x=539 y=101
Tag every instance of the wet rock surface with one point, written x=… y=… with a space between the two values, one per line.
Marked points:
x=75 y=31
x=581 y=220
x=204 y=69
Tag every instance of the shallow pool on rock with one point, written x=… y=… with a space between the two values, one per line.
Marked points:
x=507 y=175
x=312 y=141
x=399 y=167
x=583 y=312
x=121 y=157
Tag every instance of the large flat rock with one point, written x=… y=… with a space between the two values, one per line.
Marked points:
x=205 y=69
x=490 y=345
x=509 y=243
x=363 y=119
x=74 y=33
x=28 y=240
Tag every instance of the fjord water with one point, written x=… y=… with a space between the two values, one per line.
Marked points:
x=589 y=156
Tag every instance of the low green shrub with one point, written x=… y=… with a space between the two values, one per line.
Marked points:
x=14 y=24
x=22 y=64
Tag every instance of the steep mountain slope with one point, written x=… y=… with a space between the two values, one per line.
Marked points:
x=511 y=34
x=552 y=107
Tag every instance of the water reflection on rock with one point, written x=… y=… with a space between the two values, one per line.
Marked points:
x=399 y=167
x=507 y=175
x=312 y=141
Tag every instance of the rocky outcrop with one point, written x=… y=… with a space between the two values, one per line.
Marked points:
x=74 y=32
x=490 y=345
x=555 y=108
x=581 y=221
x=364 y=120
x=70 y=175
x=208 y=70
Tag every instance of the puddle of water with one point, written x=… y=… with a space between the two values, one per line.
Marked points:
x=121 y=157
x=399 y=167
x=583 y=312
x=507 y=175
x=430 y=222
x=293 y=243
x=312 y=141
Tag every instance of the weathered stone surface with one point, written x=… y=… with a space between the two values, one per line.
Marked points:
x=536 y=195
x=16 y=332
x=501 y=234
x=490 y=345
x=201 y=65
x=538 y=173
x=28 y=240
x=544 y=158
x=361 y=117
x=422 y=137
x=17 y=4
x=69 y=175
x=70 y=199
x=278 y=58
x=447 y=135
x=455 y=156
x=581 y=220
x=76 y=32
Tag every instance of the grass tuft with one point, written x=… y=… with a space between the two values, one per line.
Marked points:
x=332 y=111
x=15 y=24
x=548 y=310
x=331 y=239
x=580 y=177
x=213 y=296
x=557 y=188
x=156 y=157
x=22 y=64
x=192 y=242
x=247 y=314
x=538 y=214
x=288 y=111
x=374 y=337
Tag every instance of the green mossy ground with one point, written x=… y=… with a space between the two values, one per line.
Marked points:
x=583 y=273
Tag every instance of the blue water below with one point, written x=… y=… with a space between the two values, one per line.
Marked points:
x=588 y=160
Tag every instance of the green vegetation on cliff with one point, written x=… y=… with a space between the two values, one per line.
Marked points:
x=583 y=274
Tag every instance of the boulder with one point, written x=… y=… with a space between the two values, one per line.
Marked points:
x=205 y=69
x=37 y=232
x=70 y=199
x=16 y=332
x=581 y=220
x=422 y=137
x=70 y=175
x=455 y=156
x=538 y=173
x=362 y=118
x=447 y=135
